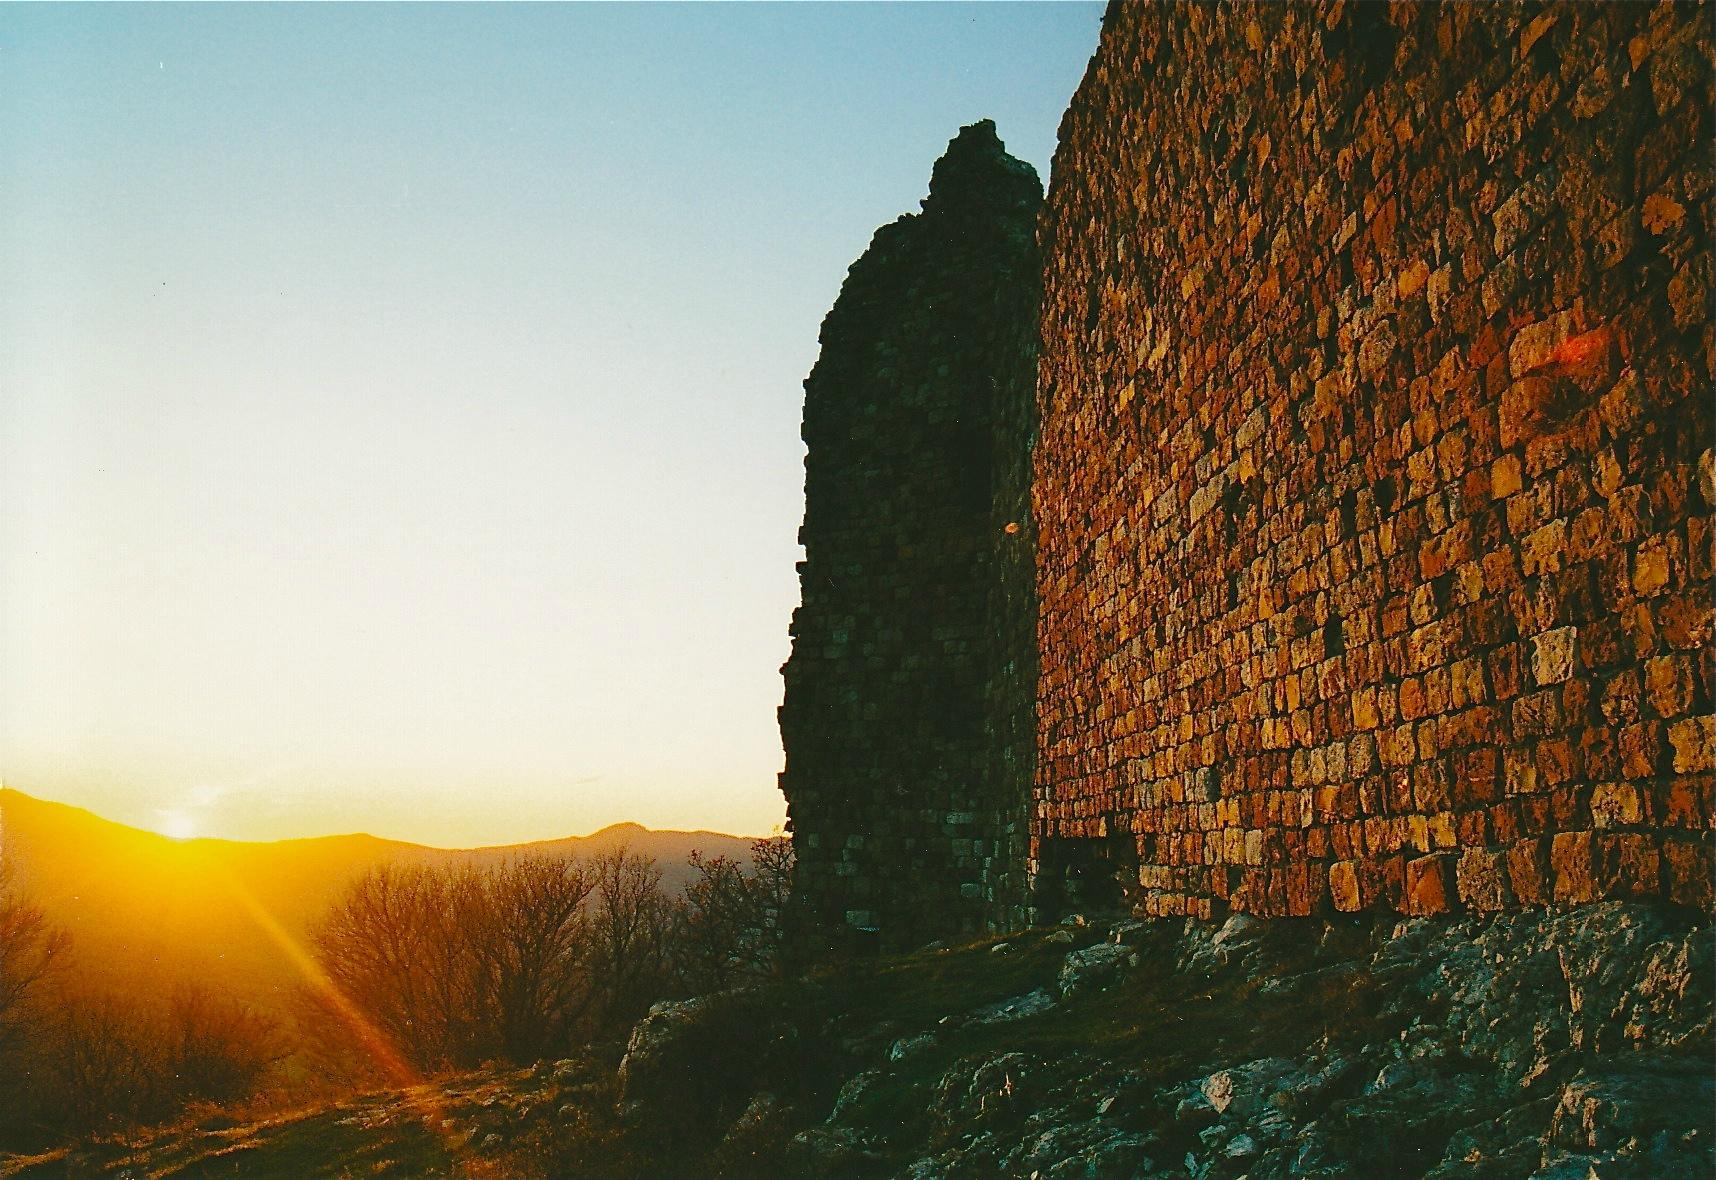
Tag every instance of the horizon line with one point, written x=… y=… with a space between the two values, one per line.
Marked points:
x=7 y=788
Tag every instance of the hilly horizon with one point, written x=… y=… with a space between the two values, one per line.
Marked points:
x=147 y=911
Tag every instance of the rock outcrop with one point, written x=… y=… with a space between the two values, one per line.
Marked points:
x=1559 y=1043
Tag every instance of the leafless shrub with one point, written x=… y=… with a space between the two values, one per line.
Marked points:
x=531 y=950
x=631 y=927
x=31 y=950
x=394 y=947
x=452 y=966
x=216 y=1049
x=733 y=924
x=106 y=1065
x=435 y=968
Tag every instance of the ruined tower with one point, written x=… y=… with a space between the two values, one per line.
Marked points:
x=907 y=715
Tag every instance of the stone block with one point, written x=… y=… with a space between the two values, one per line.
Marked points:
x=1481 y=875
x=1344 y=891
x=1570 y=858
x=1526 y=872
x=1552 y=655
x=1689 y=870
x=1429 y=885
x=1694 y=743
x=1615 y=805
x=1650 y=569
x=1628 y=865
x=1686 y=801
x=1530 y=407
x=1542 y=550
x=1505 y=477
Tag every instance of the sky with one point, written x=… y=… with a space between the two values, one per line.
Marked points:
x=399 y=405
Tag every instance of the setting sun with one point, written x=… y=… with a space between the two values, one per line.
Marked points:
x=176 y=823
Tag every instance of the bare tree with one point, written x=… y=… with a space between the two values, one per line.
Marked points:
x=392 y=946
x=714 y=925
x=216 y=1048
x=732 y=922
x=31 y=950
x=632 y=925
x=772 y=871
x=532 y=953
x=458 y=965
x=106 y=1066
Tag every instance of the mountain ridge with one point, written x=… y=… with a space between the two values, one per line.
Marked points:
x=8 y=794
x=149 y=912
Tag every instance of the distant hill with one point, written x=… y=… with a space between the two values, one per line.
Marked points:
x=146 y=911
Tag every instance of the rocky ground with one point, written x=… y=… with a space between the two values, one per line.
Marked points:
x=1566 y=1043
x=1553 y=1043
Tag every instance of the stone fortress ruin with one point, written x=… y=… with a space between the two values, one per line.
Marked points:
x=1305 y=507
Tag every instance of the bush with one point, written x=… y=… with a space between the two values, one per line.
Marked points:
x=733 y=925
x=31 y=952
x=432 y=968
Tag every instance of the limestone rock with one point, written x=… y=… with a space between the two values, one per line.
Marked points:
x=1095 y=968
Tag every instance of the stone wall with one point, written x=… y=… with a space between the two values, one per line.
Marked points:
x=906 y=720
x=1374 y=480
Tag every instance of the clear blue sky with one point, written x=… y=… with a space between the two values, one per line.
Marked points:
x=399 y=406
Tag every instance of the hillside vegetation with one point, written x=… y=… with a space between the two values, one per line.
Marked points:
x=142 y=978
x=147 y=913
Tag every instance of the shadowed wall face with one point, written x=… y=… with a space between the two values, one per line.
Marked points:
x=906 y=715
x=1374 y=481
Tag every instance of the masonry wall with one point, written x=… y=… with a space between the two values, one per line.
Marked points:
x=907 y=715
x=1374 y=480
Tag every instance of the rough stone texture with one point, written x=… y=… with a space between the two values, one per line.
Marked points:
x=663 y=1079
x=907 y=718
x=1560 y=1042
x=1374 y=478
x=1095 y=968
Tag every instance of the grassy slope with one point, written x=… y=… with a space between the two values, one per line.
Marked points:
x=393 y=1133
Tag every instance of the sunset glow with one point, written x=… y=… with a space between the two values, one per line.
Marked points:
x=415 y=450
x=176 y=824
x=1066 y=587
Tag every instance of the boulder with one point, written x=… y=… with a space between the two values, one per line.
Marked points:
x=691 y=1066
x=1095 y=968
x=1242 y=1091
x=852 y=1093
x=910 y=1046
x=757 y=1130
x=1014 y=1008
x=828 y=1152
x=976 y=1089
x=1625 y=1111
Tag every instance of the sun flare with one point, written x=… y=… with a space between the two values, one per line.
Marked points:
x=178 y=824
